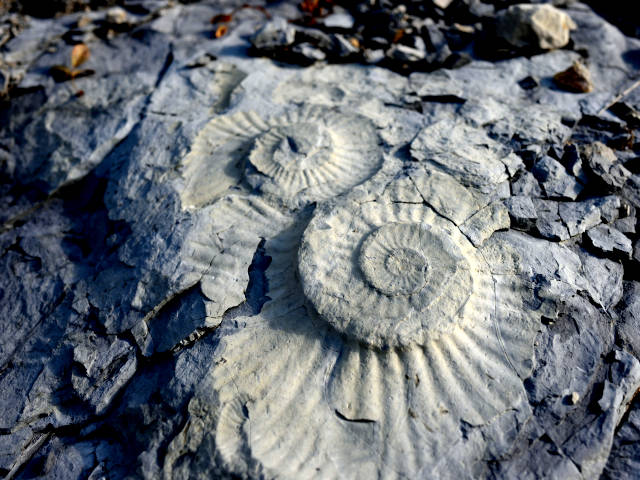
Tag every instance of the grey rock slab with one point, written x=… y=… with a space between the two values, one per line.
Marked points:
x=211 y=291
x=629 y=318
x=609 y=207
x=463 y=152
x=579 y=216
x=68 y=135
x=604 y=280
x=483 y=223
x=104 y=368
x=526 y=185
x=555 y=180
x=549 y=223
x=589 y=447
x=608 y=240
x=522 y=212
x=602 y=162
x=624 y=459
x=437 y=188
x=626 y=225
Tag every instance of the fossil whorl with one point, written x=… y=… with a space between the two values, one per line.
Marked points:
x=396 y=274
x=304 y=155
x=464 y=347
x=389 y=274
x=220 y=248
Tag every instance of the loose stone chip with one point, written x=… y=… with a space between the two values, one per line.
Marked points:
x=576 y=79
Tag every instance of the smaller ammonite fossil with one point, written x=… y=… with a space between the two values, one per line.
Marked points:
x=302 y=156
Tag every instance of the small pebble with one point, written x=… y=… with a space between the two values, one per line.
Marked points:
x=576 y=79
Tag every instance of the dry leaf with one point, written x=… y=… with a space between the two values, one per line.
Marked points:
x=397 y=36
x=221 y=31
x=309 y=6
x=61 y=73
x=222 y=18
x=79 y=55
x=82 y=73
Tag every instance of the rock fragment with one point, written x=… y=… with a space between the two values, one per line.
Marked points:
x=626 y=224
x=549 y=224
x=608 y=240
x=555 y=180
x=482 y=224
x=573 y=163
x=522 y=212
x=526 y=185
x=575 y=79
x=579 y=216
x=628 y=324
x=275 y=33
x=573 y=398
x=603 y=163
x=604 y=279
x=529 y=83
x=102 y=368
x=541 y=26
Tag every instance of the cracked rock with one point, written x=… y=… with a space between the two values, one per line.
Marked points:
x=103 y=368
x=218 y=265
x=603 y=163
x=608 y=240
x=483 y=223
x=555 y=180
x=522 y=212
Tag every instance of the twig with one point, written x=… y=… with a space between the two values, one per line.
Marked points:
x=626 y=92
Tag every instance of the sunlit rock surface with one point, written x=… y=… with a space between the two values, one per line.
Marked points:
x=219 y=266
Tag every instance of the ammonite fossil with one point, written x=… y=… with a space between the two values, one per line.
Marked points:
x=393 y=274
x=304 y=155
x=407 y=331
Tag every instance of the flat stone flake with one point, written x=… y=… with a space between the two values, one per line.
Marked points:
x=462 y=151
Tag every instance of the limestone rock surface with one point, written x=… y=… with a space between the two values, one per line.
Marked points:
x=218 y=265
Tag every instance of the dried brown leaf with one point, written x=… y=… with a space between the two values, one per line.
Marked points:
x=61 y=73
x=79 y=54
x=82 y=73
x=221 y=31
x=397 y=36
x=222 y=18
x=310 y=6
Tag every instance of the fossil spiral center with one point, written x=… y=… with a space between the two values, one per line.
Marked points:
x=405 y=261
x=390 y=268
x=301 y=146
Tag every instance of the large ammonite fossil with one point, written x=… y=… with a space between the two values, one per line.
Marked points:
x=304 y=155
x=391 y=275
x=431 y=335
x=406 y=333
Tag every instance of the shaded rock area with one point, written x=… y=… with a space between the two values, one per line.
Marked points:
x=319 y=239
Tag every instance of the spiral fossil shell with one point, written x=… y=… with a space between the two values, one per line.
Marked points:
x=413 y=331
x=302 y=156
x=391 y=274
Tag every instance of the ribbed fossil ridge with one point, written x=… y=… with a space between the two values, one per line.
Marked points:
x=304 y=155
x=389 y=274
